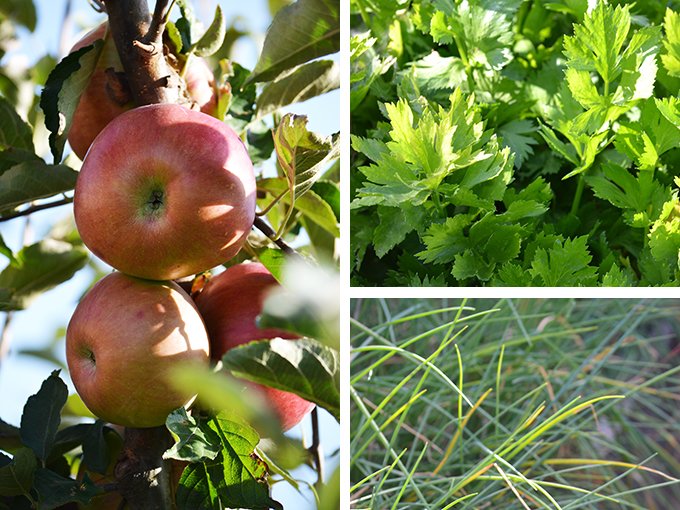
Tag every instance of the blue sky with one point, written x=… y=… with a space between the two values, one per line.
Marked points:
x=20 y=375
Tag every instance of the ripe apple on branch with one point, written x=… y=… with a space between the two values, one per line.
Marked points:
x=165 y=193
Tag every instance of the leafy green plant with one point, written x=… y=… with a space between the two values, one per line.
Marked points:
x=526 y=403
x=228 y=449
x=514 y=143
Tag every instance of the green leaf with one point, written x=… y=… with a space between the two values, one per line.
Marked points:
x=300 y=32
x=512 y=275
x=55 y=490
x=20 y=11
x=664 y=241
x=274 y=260
x=187 y=24
x=470 y=265
x=10 y=440
x=514 y=136
x=196 y=441
x=294 y=308
x=65 y=84
x=6 y=251
x=17 y=477
x=38 y=268
x=297 y=85
x=424 y=151
x=445 y=241
x=395 y=223
x=96 y=456
x=213 y=38
x=597 y=42
x=564 y=265
x=42 y=416
x=15 y=133
x=671 y=25
x=481 y=30
x=303 y=154
x=32 y=180
x=305 y=367
x=310 y=204
x=366 y=66
x=643 y=196
x=669 y=108
x=237 y=473
x=195 y=490
x=434 y=72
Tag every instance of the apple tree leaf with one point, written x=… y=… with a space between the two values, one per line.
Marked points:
x=15 y=133
x=303 y=154
x=238 y=111
x=32 y=180
x=10 y=440
x=310 y=204
x=186 y=24
x=300 y=32
x=42 y=416
x=305 y=367
x=38 y=268
x=195 y=490
x=6 y=251
x=195 y=441
x=20 y=11
x=96 y=456
x=16 y=478
x=297 y=85
x=55 y=490
x=238 y=473
x=213 y=38
x=64 y=86
x=274 y=260
x=236 y=477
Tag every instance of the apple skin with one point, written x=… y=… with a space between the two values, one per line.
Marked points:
x=165 y=192
x=96 y=109
x=124 y=339
x=229 y=304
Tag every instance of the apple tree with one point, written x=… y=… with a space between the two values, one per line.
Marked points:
x=205 y=228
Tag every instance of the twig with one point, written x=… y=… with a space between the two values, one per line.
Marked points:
x=316 y=449
x=158 y=21
x=5 y=337
x=98 y=5
x=263 y=227
x=34 y=208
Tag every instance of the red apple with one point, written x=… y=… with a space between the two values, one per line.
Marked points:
x=124 y=338
x=229 y=304
x=201 y=85
x=165 y=192
x=96 y=107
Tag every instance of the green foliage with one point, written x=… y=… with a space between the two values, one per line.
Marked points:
x=229 y=466
x=514 y=143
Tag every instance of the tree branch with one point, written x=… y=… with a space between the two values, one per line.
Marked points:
x=263 y=227
x=316 y=449
x=34 y=208
x=139 y=41
x=143 y=477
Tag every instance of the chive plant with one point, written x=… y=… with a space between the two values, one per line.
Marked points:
x=515 y=404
